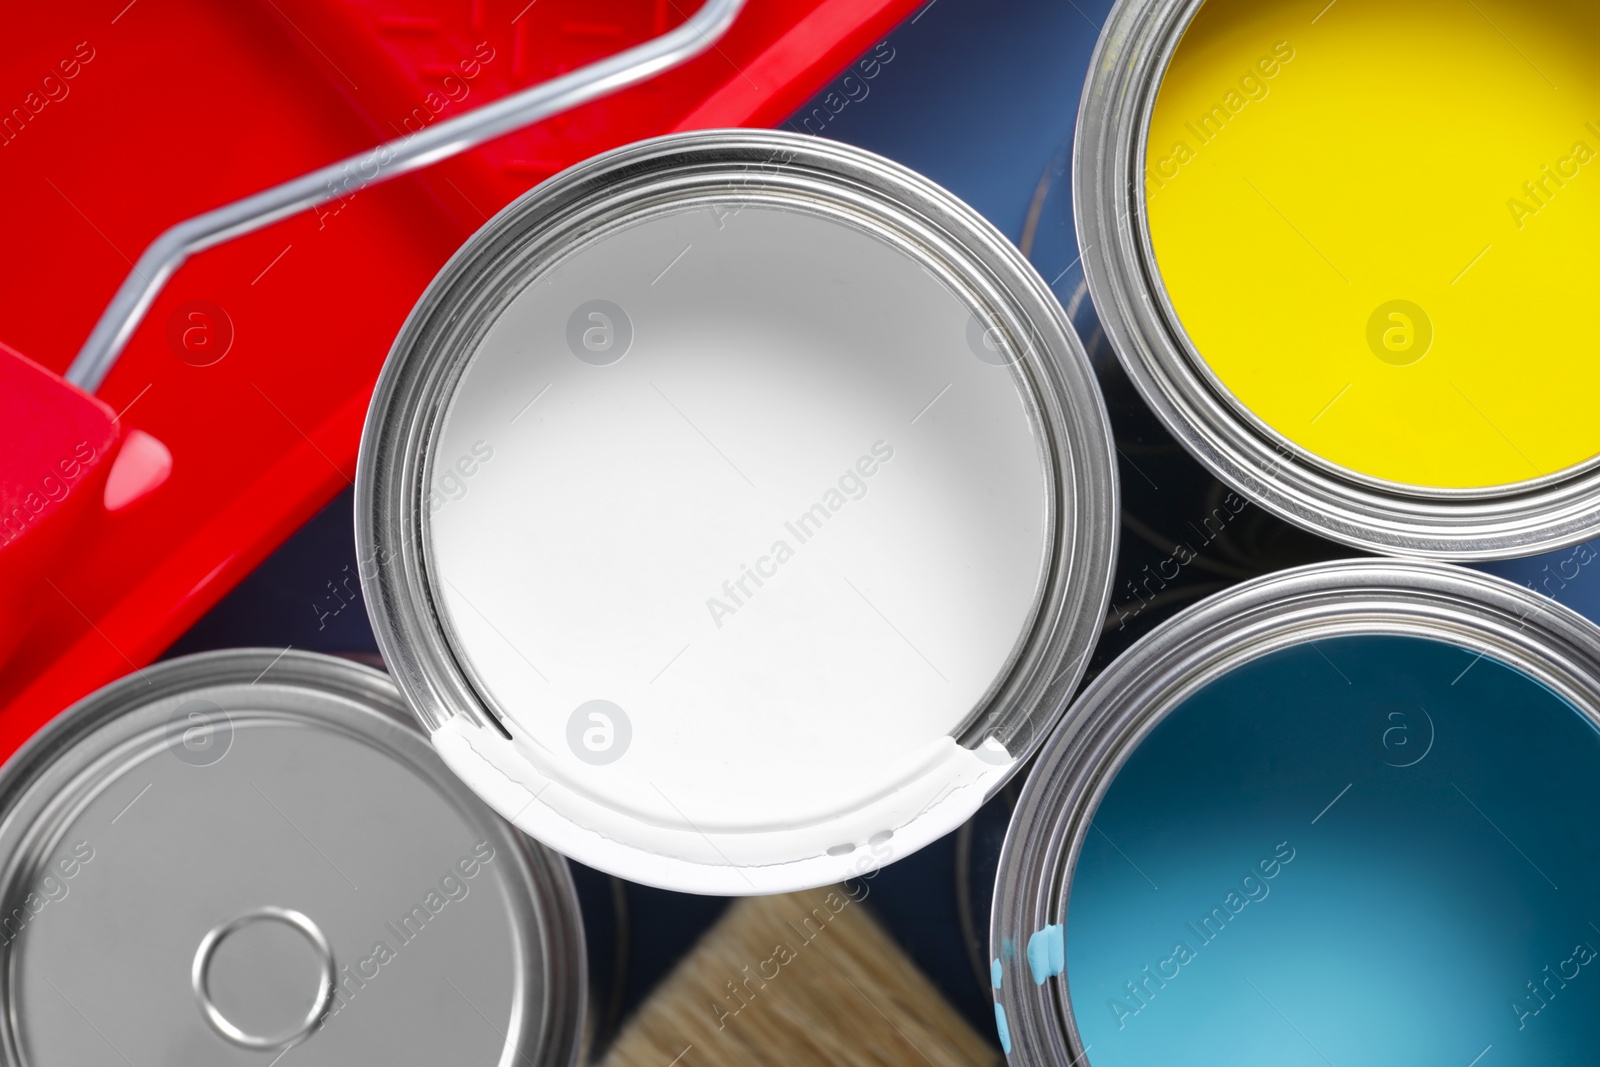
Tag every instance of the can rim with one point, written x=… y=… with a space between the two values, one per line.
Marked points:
x=1544 y=640
x=1119 y=95
x=59 y=747
x=419 y=377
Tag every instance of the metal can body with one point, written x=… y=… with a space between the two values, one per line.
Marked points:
x=611 y=707
x=1405 y=721
x=243 y=853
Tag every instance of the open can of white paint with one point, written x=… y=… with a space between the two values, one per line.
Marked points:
x=737 y=510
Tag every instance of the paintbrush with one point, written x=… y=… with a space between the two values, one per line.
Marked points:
x=804 y=978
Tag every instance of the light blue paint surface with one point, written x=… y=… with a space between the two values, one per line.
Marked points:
x=995 y=974
x=1003 y=1030
x=1358 y=847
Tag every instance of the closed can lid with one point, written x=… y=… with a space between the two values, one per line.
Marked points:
x=251 y=856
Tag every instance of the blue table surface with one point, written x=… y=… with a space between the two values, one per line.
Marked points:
x=980 y=96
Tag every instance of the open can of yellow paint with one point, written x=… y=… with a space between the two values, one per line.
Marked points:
x=1345 y=250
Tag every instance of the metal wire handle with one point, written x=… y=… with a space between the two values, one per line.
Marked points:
x=390 y=160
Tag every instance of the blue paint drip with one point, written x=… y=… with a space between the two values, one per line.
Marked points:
x=994 y=973
x=1004 y=1030
x=1047 y=952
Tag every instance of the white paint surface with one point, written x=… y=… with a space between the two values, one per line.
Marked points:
x=587 y=513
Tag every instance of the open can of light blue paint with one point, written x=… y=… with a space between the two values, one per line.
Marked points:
x=1342 y=814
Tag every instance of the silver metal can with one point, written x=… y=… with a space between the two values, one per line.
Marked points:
x=1135 y=51
x=737 y=511
x=247 y=856
x=1396 y=754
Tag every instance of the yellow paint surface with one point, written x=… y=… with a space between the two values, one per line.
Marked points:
x=1311 y=165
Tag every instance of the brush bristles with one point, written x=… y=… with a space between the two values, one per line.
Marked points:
x=807 y=978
